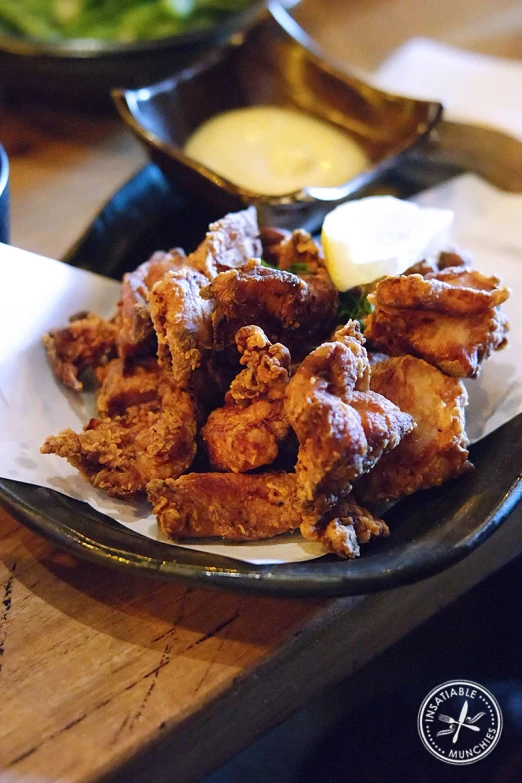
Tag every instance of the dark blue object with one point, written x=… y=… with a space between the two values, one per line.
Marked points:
x=4 y=196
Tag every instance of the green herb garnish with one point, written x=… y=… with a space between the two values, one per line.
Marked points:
x=354 y=305
x=298 y=268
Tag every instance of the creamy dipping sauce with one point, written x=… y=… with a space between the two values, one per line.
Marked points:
x=273 y=150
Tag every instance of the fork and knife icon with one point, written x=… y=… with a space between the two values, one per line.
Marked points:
x=462 y=721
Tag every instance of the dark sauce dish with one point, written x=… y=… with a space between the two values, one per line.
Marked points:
x=81 y=72
x=4 y=196
x=273 y=63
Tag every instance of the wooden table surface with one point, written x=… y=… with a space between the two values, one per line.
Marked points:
x=105 y=676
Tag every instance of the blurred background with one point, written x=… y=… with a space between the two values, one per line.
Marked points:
x=58 y=149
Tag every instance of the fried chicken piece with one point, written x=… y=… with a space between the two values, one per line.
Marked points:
x=342 y=433
x=87 y=342
x=436 y=450
x=298 y=253
x=229 y=243
x=271 y=238
x=450 y=318
x=136 y=334
x=182 y=322
x=234 y=506
x=344 y=528
x=454 y=344
x=124 y=385
x=289 y=309
x=350 y=335
x=451 y=258
x=246 y=432
x=447 y=258
x=154 y=440
x=459 y=291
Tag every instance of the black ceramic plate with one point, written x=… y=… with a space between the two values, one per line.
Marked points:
x=430 y=530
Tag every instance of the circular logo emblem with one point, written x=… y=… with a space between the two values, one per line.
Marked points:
x=460 y=722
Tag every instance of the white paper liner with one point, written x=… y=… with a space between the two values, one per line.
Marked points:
x=474 y=88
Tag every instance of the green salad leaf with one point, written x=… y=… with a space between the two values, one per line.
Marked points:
x=113 y=20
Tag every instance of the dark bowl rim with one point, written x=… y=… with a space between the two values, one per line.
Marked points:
x=123 y=99
x=94 y=48
x=265 y=579
x=4 y=170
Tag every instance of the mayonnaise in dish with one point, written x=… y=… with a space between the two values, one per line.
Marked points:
x=381 y=235
x=273 y=151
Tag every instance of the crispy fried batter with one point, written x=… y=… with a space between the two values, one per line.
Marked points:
x=229 y=243
x=436 y=450
x=445 y=259
x=344 y=527
x=136 y=334
x=341 y=432
x=298 y=253
x=87 y=342
x=181 y=321
x=154 y=440
x=246 y=432
x=449 y=318
x=451 y=258
x=271 y=238
x=266 y=368
x=456 y=345
x=234 y=506
x=331 y=437
x=350 y=335
x=289 y=309
x=124 y=385
x=453 y=291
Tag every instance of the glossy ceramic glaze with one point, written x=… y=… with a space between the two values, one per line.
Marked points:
x=273 y=63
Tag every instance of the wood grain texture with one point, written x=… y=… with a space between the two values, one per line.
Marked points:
x=94 y=659
x=100 y=669
x=105 y=676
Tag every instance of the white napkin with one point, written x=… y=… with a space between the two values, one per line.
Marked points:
x=474 y=88
x=487 y=223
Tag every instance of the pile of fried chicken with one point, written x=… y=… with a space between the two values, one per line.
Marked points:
x=231 y=395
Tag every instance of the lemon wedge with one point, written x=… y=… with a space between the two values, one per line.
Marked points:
x=381 y=235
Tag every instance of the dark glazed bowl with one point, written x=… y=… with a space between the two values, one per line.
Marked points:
x=4 y=196
x=273 y=63
x=82 y=72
